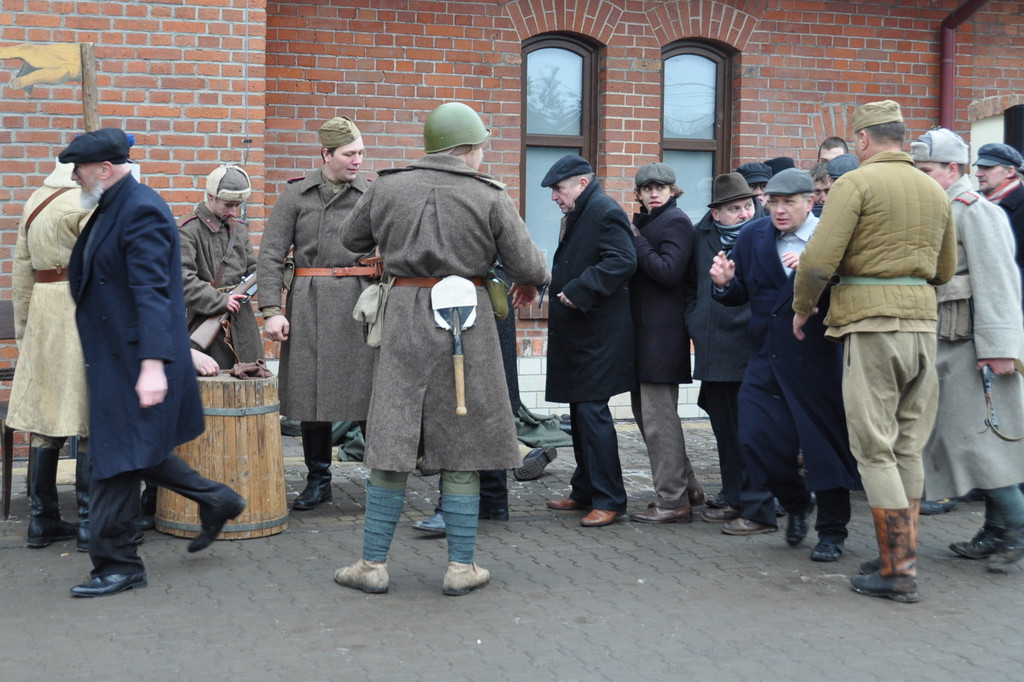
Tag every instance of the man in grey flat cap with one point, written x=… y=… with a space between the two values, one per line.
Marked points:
x=885 y=312
x=590 y=338
x=781 y=414
x=326 y=366
x=125 y=275
x=980 y=328
x=999 y=180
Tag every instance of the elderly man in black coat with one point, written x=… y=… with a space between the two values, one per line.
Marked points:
x=590 y=335
x=125 y=275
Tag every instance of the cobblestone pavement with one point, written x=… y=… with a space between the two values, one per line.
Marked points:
x=628 y=601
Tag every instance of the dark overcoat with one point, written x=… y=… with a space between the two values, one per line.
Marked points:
x=657 y=295
x=326 y=367
x=1013 y=204
x=436 y=218
x=125 y=275
x=785 y=376
x=590 y=348
x=719 y=333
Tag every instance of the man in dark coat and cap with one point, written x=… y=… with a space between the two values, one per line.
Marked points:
x=590 y=337
x=125 y=274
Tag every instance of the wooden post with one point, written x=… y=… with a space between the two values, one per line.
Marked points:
x=90 y=93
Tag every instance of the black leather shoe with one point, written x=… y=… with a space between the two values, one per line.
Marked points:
x=932 y=507
x=105 y=585
x=213 y=519
x=145 y=523
x=494 y=514
x=827 y=550
x=796 y=527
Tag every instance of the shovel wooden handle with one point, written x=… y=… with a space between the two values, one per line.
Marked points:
x=460 y=384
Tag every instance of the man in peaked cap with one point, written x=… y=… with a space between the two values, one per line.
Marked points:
x=782 y=415
x=590 y=338
x=980 y=325
x=215 y=256
x=326 y=366
x=757 y=175
x=885 y=312
x=125 y=274
x=999 y=180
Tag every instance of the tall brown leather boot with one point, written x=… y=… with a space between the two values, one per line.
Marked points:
x=896 y=533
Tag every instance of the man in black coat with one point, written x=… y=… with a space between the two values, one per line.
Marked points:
x=125 y=275
x=998 y=179
x=590 y=335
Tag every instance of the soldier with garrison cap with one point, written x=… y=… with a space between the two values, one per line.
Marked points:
x=437 y=217
x=215 y=256
x=325 y=363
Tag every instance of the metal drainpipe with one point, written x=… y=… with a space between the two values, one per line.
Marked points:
x=947 y=60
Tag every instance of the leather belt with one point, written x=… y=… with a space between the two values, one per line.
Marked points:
x=429 y=281
x=354 y=271
x=50 y=276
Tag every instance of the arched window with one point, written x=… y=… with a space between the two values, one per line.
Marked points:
x=559 y=115
x=696 y=109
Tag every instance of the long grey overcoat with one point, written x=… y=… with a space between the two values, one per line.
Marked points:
x=979 y=317
x=48 y=396
x=204 y=240
x=326 y=366
x=436 y=218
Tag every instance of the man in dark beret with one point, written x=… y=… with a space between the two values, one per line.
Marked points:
x=125 y=275
x=590 y=338
x=999 y=180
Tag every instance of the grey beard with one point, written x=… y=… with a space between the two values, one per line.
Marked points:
x=90 y=197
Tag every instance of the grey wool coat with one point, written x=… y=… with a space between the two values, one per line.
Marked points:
x=204 y=240
x=326 y=367
x=435 y=218
x=979 y=317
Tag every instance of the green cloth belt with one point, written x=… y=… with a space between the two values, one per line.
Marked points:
x=847 y=279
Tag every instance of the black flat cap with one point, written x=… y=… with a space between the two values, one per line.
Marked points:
x=844 y=163
x=755 y=172
x=999 y=154
x=568 y=166
x=105 y=144
x=780 y=163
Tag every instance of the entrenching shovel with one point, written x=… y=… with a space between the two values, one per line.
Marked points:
x=454 y=302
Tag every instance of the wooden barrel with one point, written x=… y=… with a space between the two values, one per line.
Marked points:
x=241 y=447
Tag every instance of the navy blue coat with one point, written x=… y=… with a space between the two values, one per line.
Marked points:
x=657 y=294
x=807 y=375
x=125 y=274
x=590 y=348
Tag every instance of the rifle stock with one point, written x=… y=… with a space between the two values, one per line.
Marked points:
x=208 y=329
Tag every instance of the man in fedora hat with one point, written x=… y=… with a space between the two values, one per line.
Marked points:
x=888 y=231
x=721 y=350
x=782 y=414
x=325 y=363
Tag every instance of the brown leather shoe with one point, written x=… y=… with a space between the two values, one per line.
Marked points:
x=566 y=504
x=599 y=517
x=747 y=527
x=696 y=497
x=726 y=513
x=656 y=514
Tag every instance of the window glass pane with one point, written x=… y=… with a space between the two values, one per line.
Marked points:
x=689 y=99
x=694 y=176
x=543 y=217
x=554 y=92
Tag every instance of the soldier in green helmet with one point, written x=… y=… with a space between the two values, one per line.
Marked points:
x=438 y=216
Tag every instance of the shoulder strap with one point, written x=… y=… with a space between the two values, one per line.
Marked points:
x=227 y=257
x=43 y=204
x=967 y=197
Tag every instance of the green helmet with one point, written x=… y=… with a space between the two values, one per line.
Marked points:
x=450 y=125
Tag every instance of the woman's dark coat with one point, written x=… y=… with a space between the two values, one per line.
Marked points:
x=657 y=294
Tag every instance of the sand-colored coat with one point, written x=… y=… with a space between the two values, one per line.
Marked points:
x=49 y=394
x=326 y=367
x=439 y=218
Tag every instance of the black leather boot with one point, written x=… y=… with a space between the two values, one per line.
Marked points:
x=83 y=480
x=147 y=506
x=316 y=449
x=45 y=525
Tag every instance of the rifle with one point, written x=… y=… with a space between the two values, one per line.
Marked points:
x=208 y=329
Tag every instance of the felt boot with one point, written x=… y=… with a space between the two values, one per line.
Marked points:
x=462 y=579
